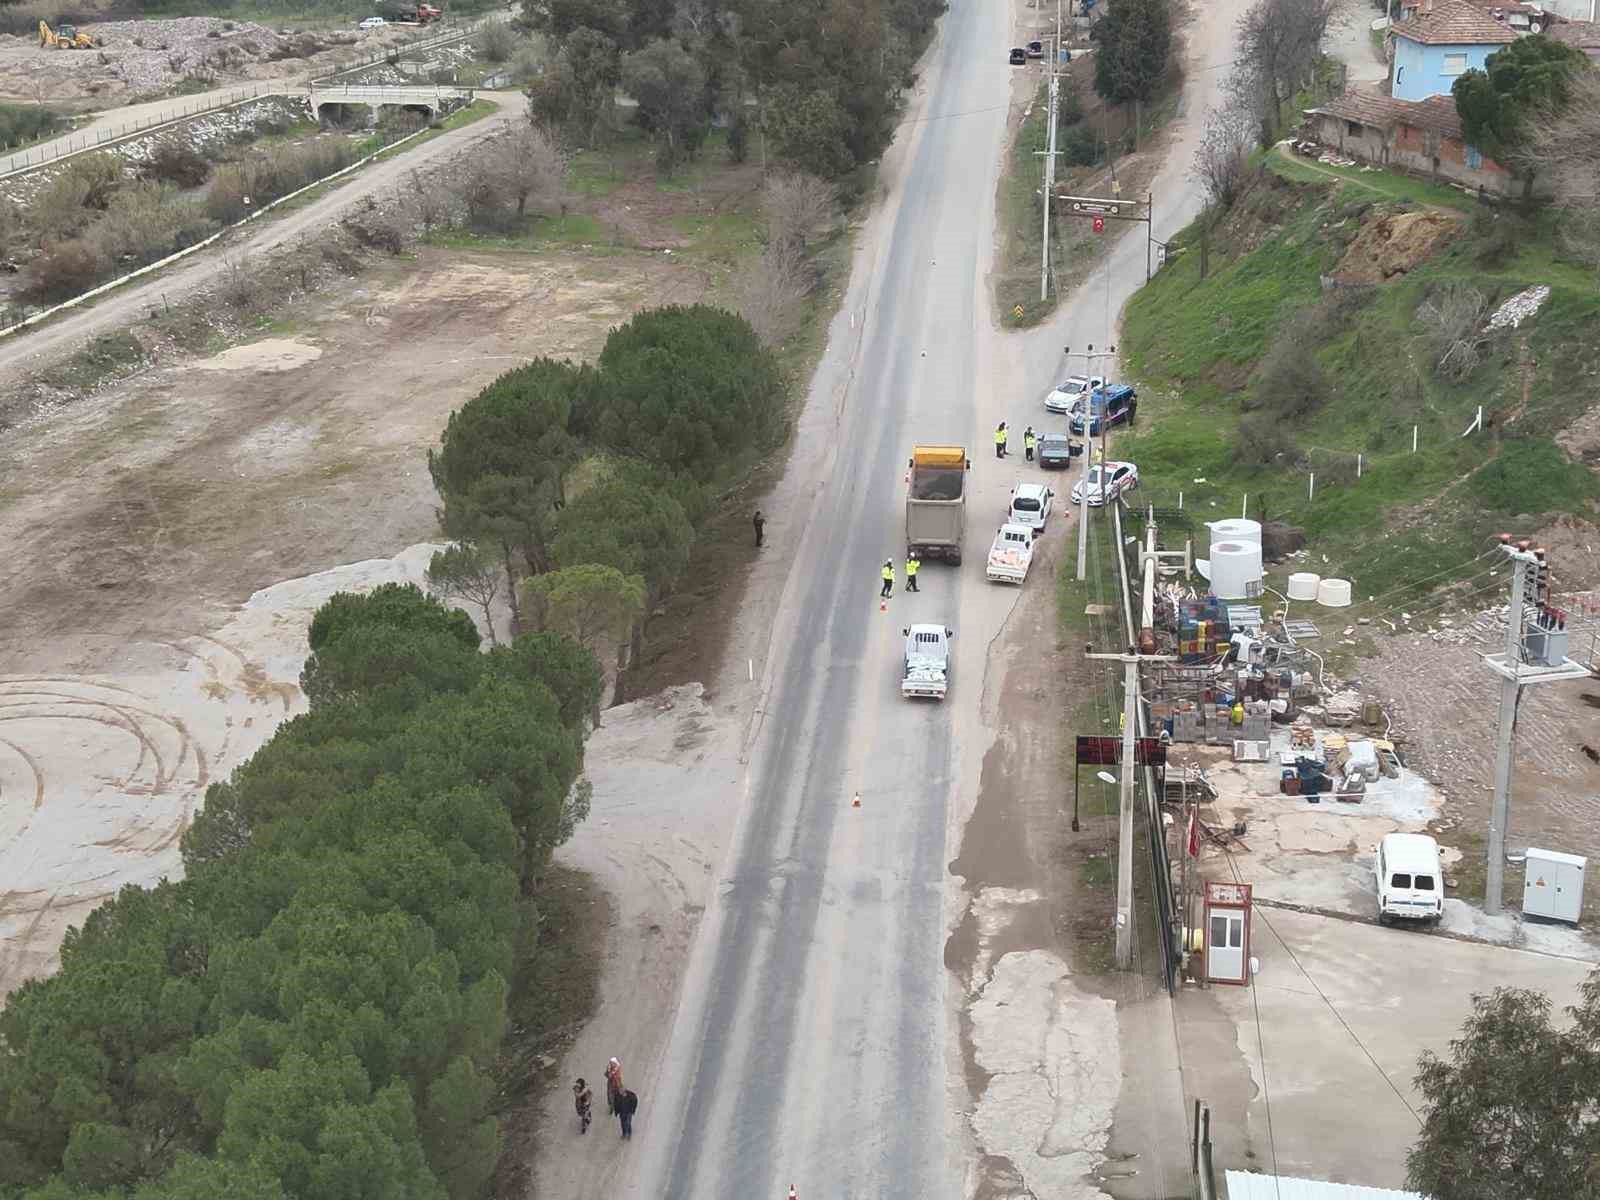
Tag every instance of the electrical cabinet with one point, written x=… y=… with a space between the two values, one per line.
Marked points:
x=1553 y=885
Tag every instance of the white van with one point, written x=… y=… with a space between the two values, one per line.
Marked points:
x=1410 y=881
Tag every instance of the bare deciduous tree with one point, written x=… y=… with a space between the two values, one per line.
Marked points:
x=1453 y=318
x=1279 y=43
x=795 y=204
x=426 y=200
x=1222 y=160
x=533 y=166
x=770 y=290
x=1565 y=148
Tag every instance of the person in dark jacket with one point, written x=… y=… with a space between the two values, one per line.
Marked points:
x=627 y=1105
x=760 y=523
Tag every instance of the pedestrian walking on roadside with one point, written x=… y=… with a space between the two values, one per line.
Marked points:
x=888 y=578
x=613 y=1085
x=913 y=565
x=1000 y=440
x=1028 y=442
x=583 y=1100
x=627 y=1105
x=760 y=523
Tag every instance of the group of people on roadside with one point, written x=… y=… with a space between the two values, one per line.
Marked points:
x=620 y=1102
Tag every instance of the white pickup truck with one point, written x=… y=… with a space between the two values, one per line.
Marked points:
x=927 y=669
x=1012 y=554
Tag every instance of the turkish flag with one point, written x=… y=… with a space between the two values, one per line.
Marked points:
x=1194 y=836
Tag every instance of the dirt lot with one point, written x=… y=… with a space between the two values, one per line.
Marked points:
x=147 y=58
x=139 y=523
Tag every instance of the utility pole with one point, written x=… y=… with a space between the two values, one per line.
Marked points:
x=1516 y=672
x=1048 y=194
x=1083 y=517
x=1130 y=681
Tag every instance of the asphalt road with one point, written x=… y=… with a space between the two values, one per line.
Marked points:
x=815 y=1042
x=811 y=1044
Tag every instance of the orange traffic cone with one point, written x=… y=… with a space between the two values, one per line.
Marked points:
x=793 y=1195
x=856 y=801
x=883 y=605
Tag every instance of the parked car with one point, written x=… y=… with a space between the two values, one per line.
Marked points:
x=1107 y=481
x=1115 y=404
x=1057 y=450
x=927 y=662
x=1064 y=397
x=1410 y=879
x=1019 y=56
x=373 y=23
x=1035 y=49
x=1030 y=505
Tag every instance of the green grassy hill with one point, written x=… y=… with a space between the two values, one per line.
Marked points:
x=1267 y=371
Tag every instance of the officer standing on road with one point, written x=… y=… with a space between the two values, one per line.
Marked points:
x=888 y=578
x=1000 y=440
x=1028 y=442
x=760 y=523
x=912 y=564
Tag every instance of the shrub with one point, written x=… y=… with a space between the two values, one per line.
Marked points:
x=65 y=269
x=175 y=161
x=20 y=123
x=146 y=221
x=84 y=186
x=1081 y=147
x=1262 y=441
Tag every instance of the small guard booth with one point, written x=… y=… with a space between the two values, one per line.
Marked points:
x=1227 y=926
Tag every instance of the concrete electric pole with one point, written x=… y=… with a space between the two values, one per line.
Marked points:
x=1130 y=717
x=1538 y=655
x=1047 y=194
x=1088 y=406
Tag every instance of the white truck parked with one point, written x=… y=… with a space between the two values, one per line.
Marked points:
x=1012 y=554
x=927 y=666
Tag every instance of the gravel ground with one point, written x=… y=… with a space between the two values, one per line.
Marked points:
x=145 y=58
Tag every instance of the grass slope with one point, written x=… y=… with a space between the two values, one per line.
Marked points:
x=1196 y=345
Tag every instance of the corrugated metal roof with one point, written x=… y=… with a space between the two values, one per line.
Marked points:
x=1245 y=1185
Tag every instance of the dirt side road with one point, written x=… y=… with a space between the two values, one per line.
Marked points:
x=35 y=347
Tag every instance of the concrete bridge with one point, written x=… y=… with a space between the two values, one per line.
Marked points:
x=424 y=97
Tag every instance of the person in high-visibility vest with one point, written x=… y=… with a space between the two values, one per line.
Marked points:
x=1028 y=442
x=888 y=578
x=912 y=565
x=1000 y=440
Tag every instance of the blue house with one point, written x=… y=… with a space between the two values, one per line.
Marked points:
x=1441 y=43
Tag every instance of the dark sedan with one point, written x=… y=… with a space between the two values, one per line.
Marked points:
x=1057 y=450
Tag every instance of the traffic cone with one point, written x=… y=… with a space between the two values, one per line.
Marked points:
x=856 y=801
x=883 y=605
x=793 y=1195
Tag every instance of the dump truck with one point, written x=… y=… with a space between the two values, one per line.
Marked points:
x=927 y=662
x=65 y=37
x=936 y=505
x=1011 y=555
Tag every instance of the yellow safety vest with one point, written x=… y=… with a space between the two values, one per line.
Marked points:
x=1028 y=441
x=999 y=437
x=911 y=567
x=888 y=573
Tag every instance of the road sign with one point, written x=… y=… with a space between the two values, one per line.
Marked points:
x=1099 y=224
x=1017 y=312
x=1106 y=208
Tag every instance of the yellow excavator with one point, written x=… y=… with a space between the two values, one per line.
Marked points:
x=66 y=37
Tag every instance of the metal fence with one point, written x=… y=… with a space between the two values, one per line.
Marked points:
x=31 y=158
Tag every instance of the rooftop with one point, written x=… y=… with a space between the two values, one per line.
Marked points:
x=1455 y=23
x=1585 y=35
x=1436 y=114
x=1246 y=1186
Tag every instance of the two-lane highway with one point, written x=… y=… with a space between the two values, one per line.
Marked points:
x=811 y=1043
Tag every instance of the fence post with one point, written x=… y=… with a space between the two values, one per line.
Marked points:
x=1413 y=439
x=1244 y=506
x=1311 y=487
x=1358 y=464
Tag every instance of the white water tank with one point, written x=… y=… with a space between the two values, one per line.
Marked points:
x=1235 y=570
x=1235 y=529
x=1303 y=585
x=1334 y=593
